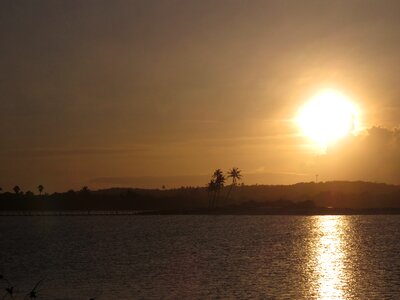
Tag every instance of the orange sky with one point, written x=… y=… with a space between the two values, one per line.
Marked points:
x=146 y=93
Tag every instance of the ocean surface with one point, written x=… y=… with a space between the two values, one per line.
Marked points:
x=171 y=257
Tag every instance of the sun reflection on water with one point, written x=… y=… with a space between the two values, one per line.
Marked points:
x=330 y=258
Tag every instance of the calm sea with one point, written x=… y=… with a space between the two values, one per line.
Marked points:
x=151 y=257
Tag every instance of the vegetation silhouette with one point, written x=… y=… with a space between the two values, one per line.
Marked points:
x=16 y=189
x=211 y=188
x=40 y=189
x=29 y=193
x=233 y=173
x=33 y=294
x=84 y=190
x=218 y=180
x=308 y=198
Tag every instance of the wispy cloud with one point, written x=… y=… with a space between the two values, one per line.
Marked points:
x=58 y=152
x=150 y=181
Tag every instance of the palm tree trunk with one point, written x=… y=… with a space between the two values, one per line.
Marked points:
x=213 y=200
x=210 y=197
x=228 y=194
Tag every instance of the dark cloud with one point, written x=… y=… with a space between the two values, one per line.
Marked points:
x=372 y=156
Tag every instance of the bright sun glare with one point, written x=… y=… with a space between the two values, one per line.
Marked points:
x=328 y=117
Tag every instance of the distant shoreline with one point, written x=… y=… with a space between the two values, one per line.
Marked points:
x=277 y=211
x=329 y=198
x=207 y=211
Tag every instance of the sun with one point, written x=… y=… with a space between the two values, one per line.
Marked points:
x=328 y=117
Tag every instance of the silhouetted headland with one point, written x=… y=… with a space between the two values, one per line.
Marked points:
x=338 y=197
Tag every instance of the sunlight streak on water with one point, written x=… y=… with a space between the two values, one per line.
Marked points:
x=330 y=257
x=203 y=257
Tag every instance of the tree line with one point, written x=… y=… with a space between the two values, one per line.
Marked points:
x=17 y=190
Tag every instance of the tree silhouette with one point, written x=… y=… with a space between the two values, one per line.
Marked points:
x=211 y=190
x=84 y=191
x=219 y=181
x=17 y=189
x=40 y=188
x=29 y=194
x=233 y=173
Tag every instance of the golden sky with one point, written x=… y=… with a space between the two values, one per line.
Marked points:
x=146 y=93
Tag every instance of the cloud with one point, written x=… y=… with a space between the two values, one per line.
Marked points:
x=372 y=156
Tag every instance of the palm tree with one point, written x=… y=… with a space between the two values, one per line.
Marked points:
x=219 y=181
x=84 y=191
x=17 y=189
x=40 y=188
x=233 y=173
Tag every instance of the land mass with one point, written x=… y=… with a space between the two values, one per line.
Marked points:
x=336 y=197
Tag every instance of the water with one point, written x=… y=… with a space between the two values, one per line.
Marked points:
x=270 y=257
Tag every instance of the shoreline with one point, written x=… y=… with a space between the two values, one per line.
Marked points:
x=207 y=211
